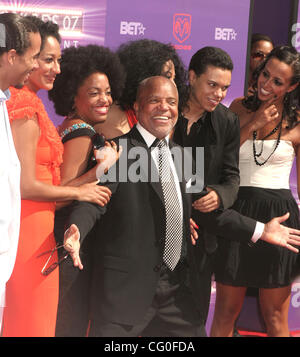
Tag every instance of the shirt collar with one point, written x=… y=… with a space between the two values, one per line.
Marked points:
x=4 y=95
x=147 y=136
x=204 y=116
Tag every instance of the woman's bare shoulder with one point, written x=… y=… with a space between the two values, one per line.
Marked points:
x=68 y=123
x=237 y=105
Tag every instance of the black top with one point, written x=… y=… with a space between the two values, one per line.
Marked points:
x=86 y=131
x=200 y=133
x=63 y=213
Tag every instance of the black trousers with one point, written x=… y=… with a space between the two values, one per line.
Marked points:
x=172 y=313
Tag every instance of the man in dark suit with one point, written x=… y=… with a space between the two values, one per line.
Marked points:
x=207 y=123
x=141 y=286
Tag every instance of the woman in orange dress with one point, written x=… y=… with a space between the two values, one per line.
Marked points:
x=32 y=295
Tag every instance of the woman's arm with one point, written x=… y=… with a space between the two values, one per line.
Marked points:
x=26 y=133
x=76 y=156
x=75 y=159
x=246 y=126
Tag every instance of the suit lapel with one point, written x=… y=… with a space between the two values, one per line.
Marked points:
x=209 y=145
x=179 y=166
x=137 y=140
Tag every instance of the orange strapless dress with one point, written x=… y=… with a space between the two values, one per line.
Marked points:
x=31 y=298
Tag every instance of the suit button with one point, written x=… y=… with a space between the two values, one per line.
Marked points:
x=157 y=268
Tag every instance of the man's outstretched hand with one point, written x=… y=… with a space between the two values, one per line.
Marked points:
x=277 y=234
x=274 y=233
x=72 y=244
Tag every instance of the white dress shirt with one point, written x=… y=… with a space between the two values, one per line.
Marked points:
x=149 y=139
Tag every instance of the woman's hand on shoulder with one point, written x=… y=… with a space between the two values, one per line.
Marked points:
x=106 y=157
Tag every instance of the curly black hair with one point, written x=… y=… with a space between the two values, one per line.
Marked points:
x=77 y=64
x=145 y=58
x=291 y=104
x=46 y=29
x=15 y=31
x=210 y=56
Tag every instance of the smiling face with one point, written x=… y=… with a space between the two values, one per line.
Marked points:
x=24 y=65
x=93 y=98
x=209 y=89
x=157 y=106
x=49 y=66
x=275 y=80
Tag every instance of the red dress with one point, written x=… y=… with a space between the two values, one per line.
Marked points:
x=31 y=298
x=132 y=120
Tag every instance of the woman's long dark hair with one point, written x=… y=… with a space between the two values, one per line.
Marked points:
x=291 y=104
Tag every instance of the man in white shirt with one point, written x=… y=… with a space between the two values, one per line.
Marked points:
x=20 y=44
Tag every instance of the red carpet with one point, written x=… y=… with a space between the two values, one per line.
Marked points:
x=261 y=334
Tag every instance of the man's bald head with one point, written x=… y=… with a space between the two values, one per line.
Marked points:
x=150 y=81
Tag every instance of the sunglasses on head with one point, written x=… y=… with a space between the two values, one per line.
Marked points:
x=259 y=54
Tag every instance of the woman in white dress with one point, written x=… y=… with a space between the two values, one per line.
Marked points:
x=270 y=139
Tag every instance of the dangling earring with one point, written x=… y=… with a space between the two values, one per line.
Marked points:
x=294 y=103
x=255 y=100
x=255 y=95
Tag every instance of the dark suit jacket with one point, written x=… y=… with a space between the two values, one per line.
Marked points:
x=129 y=248
x=221 y=159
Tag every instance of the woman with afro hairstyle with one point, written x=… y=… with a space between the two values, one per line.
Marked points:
x=91 y=78
x=142 y=59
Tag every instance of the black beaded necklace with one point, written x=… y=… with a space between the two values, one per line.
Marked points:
x=256 y=155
